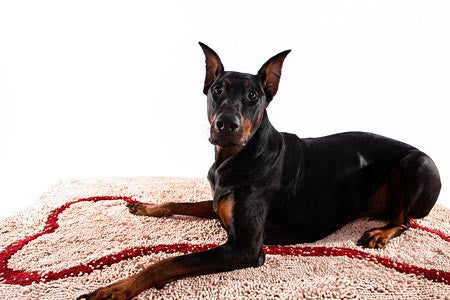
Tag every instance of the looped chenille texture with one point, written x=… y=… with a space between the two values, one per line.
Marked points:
x=79 y=236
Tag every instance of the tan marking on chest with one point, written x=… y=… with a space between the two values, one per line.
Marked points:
x=227 y=152
x=225 y=210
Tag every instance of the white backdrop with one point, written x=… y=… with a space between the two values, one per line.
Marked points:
x=108 y=88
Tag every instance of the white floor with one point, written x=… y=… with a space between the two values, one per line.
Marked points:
x=101 y=88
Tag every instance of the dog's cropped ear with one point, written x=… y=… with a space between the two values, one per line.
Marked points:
x=213 y=66
x=270 y=74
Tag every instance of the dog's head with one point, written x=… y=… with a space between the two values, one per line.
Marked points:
x=237 y=101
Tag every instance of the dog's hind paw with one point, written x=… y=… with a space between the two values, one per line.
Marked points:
x=379 y=237
x=373 y=239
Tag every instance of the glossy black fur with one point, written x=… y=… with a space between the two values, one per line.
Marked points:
x=275 y=188
x=311 y=187
x=291 y=190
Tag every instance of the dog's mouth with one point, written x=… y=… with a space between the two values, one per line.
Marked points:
x=224 y=142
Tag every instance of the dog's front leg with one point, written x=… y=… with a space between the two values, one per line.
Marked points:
x=243 y=249
x=223 y=258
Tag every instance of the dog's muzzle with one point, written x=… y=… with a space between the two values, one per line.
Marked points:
x=226 y=130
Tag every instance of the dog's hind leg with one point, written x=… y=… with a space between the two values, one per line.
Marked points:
x=202 y=209
x=410 y=191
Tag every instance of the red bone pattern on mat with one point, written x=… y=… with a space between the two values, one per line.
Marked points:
x=10 y=276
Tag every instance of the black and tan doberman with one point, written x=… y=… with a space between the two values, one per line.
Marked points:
x=271 y=187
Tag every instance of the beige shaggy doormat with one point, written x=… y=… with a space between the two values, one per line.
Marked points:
x=80 y=236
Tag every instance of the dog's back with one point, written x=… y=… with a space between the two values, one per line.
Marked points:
x=329 y=180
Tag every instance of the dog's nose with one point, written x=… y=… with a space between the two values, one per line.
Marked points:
x=228 y=123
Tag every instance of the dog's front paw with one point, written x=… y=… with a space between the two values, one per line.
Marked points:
x=135 y=208
x=116 y=291
x=148 y=209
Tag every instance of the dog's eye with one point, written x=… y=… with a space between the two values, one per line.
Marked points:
x=217 y=90
x=252 y=95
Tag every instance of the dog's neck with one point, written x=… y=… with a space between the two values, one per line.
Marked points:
x=259 y=158
x=223 y=153
x=265 y=136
